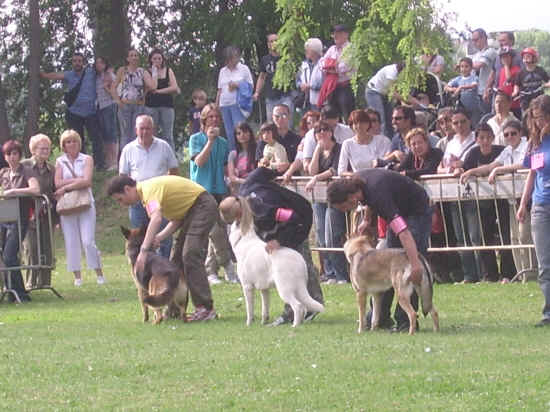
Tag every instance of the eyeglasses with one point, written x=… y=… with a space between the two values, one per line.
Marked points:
x=282 y=115
x=323 y=129
x=398 y=118
x=457 y=122
x=510 y=134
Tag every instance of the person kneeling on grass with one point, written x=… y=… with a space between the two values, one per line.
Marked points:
x=184 y=204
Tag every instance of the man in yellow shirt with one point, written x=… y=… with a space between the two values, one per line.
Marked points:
x=184 y=204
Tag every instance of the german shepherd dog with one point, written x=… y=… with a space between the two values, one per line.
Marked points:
x=375 y=271
x=160 y=284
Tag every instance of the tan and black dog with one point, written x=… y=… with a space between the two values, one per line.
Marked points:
x=372 y=272
x=162 y=283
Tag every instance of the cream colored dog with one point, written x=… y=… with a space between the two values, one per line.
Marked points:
x=283 y=268
x=375 y=271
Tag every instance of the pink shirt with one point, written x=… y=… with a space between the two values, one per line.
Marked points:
x=344 y=70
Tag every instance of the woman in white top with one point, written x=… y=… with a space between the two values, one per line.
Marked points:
x=134 y=83
x=78 y=228
x=234 y=76
x=361 y=151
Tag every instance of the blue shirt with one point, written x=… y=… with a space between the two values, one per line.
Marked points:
x=541 y=192
x=470 y=97
x=211 y=174
x=84 y=104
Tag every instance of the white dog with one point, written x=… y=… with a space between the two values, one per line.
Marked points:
x=285 y=268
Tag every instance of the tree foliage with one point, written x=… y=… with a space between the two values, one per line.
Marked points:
x=193 y=34
x=538 y=39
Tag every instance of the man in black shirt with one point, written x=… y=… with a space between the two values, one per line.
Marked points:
x=273 y=96
x=405 y=206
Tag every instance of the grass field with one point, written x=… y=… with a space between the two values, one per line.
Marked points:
x=91 y=351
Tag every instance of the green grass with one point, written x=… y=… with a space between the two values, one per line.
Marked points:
x=91 y=351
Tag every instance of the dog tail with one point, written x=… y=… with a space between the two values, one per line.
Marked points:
x=426 y=287
x=162 y=299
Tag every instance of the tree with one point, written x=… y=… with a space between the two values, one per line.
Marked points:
x=33 y=96
x=385 y=31
x=538 y=39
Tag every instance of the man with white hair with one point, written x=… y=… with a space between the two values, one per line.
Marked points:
x=143 y=158
x=310 y=76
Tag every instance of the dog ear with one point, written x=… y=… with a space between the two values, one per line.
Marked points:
x=125 y=232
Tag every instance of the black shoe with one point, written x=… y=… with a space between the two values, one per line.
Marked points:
x=281 y=320
x=382 y=323
x=542 y=323
x=310 y=316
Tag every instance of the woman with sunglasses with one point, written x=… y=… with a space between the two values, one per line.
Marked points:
x=324 y=165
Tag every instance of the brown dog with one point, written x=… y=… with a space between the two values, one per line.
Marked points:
x=162 y=283
x=375 y=271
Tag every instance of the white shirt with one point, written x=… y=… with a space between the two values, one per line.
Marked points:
x=360 y=156
x=78 y=167
x=241 y=73
x=458 y=149
x=341 y=134
x=383 y=79
x=498 y=129
x=510 y=156
x=141 y=164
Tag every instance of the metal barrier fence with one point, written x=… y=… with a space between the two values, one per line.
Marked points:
x=10 y=213
x=446 y=190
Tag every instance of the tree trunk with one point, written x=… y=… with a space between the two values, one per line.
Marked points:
x=4 y=126
x=111 y=29
x=33 y=102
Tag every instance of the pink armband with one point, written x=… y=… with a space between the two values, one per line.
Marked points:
x=398 y=225
x=283 y=215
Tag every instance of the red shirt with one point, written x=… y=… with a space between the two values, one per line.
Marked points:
x=507 y=86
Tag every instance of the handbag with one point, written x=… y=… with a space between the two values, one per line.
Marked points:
x=70 y=96
x=75 y=201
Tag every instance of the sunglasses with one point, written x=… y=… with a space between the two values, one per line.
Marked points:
x=398 y=118
x=457 y=122
x=510 y=134
x=323 y=129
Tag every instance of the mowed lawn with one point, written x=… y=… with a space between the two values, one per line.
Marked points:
x=91 y=351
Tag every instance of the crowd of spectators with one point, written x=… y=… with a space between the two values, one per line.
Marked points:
x=496 y=124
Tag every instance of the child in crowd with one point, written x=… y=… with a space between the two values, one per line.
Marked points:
x=242 y=160
x=199 y=98
x=274 y=152
x=531 y=80
x=465 y=87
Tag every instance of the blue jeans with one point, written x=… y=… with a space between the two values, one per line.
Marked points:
x=330 y=227
x=107 y=123
x=231 y=116
x=470 y=260
x=139 y=218
x=163 y=118
x=286 y=100
x=381 y=104
x=127 y=115
x=10 y=255
x=91 y=124
x=540 y=228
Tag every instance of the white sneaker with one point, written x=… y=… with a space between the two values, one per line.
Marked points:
x=214 y=279
x=100 y=280
x=78 y=282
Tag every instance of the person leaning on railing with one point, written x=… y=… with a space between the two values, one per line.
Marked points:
x=40 y=147
x=16 y=180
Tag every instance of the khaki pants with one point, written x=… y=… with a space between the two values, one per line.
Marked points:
x=191 y=245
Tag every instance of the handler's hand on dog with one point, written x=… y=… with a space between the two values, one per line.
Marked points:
x=416 y=272
x=140 y=262
x=272 y=245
